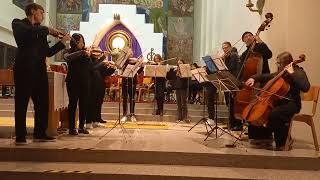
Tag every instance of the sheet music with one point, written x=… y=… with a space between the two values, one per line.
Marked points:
x=219 y=63
x=124 y=55
x=185 y=70
x=155 y=70
x=200 y=75
x=132 y=70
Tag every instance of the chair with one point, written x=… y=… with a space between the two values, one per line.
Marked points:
x=311 y=95
x=146 y=87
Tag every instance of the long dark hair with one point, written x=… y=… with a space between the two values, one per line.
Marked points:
x=73 y=44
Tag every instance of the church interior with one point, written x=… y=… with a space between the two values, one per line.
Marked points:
x=159 y=89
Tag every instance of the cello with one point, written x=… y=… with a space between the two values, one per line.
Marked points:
x=252 y=65
x=257 y=112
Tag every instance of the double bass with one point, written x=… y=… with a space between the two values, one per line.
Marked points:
x=257 y=112
x=252 y=65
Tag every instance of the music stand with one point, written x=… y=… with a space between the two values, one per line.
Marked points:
x=120 y=62
x=224 y=81
x=200 y=75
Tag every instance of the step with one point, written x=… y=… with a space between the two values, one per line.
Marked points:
x=159 y=158
x=65 y=170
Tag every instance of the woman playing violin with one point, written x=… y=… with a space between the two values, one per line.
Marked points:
x=78 y=77
x=281 y=114
x=101 y=68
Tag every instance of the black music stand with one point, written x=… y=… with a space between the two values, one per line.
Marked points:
x=200 y=75
x=120 y=62
x=224 y=81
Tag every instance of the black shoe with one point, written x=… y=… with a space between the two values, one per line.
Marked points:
x=73 y=132
x=44 y=138
x=102 y=121
x=83 y=131
x=21 y=141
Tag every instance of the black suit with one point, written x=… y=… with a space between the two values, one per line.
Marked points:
x=30 y=75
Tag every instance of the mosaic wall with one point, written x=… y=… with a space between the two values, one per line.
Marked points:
x=173 y=18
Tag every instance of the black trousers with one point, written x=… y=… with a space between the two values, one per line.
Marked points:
x=128 y=88
x=233 y=122
x=182 y=104
x=193 y=90
x=159 y=95
x=279 y=120
x=32 y=84
x=211 y=92
x=78 y=91
x=97 y=93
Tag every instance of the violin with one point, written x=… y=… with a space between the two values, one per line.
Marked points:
x=257 y=112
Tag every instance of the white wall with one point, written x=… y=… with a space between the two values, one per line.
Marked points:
x=8 y=12
x=217 y=21
x=144 y=32
x=296 y=29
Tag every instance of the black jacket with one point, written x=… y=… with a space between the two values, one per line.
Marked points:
x=232 y=62
x=265 y=52
x=99 y=72
x=33 y=47
x=298 y=81
x=79 y=66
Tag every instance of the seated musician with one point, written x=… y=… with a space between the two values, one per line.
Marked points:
x=281 y=114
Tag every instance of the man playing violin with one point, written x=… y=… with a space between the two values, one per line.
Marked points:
x=30 y=74
x=281 y=115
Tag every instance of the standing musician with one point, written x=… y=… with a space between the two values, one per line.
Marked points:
x=100 y=69
x=160 y=87
x=265 y=52
x=30 y=74
x=78 y=78
x=129 y=88
x=231 y=59
x=280 y=116
x=181 y=85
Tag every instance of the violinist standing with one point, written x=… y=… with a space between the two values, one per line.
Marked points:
x=160 y=87
x=99 y=70
x=30 y=73
x=248 y=38
x=79 y=63
x=129 y=88
x=281 y=115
